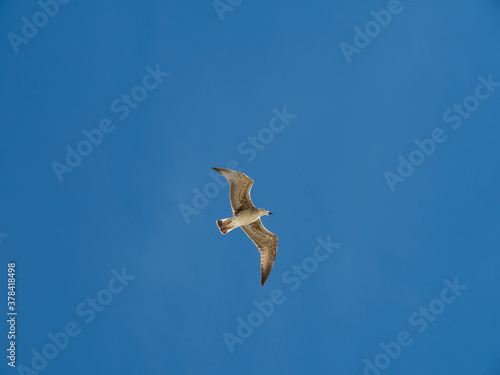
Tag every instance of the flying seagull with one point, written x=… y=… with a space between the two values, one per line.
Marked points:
x=247 y=217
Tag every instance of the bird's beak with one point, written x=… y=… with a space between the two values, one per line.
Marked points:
x=270 y=213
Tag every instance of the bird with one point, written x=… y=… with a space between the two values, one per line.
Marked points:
x=247 y=217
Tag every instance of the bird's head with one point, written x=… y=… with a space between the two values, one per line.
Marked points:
x=268 y=213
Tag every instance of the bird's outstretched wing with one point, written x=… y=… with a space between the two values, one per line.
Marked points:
x=266 y=242
x=239 y=189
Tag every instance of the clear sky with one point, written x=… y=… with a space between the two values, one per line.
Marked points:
x=371 y=131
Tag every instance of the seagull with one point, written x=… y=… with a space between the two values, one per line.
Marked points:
x=247 y=217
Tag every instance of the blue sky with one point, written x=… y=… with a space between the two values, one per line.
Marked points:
x=382 y=177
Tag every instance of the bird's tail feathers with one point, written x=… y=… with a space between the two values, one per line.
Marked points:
x=225 y=225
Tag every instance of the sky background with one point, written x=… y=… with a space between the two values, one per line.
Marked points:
x=321 y=176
